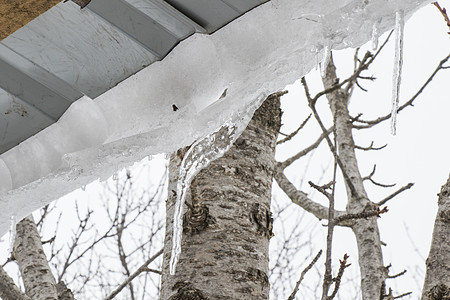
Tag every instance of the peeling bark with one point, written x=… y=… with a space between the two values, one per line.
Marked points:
x=373 y=272
x=227 y=224
x=437 y=278
x=37 y=278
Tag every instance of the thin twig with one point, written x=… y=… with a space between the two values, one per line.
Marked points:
x=302 y=275
x=371 y=123
x=305 y=151
x=362 y=215
x=370 y=147
x=404 y=188
x=301 y=199
x=141 y=269
x=380 y=184
x=444 y=14
x=363 y=65
x=397 y=275
x=402 y=295
x=290 y=136
x=331 y=223
x=338 y=278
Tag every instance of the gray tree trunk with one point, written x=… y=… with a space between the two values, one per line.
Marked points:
x=227 y=224
x=373 y=272
x=8 y=289
x=36 y=275
x=437 y=278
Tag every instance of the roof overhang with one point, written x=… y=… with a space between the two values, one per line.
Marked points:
x=67 y=53
x=76 y=55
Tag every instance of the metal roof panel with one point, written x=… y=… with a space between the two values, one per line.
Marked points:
x=18 y=121
x=210 y=14
x=68 y=52
x=80 y=48
x=138 y=25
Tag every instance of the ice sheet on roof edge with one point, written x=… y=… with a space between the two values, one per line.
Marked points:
x=261 y=52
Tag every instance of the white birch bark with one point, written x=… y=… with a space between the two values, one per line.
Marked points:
x=36 y=275
x=227 y=222
x=437 y=278
x=373 y=272
x=8 y=289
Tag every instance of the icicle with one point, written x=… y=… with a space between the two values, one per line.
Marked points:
x=317 y=59
x=150 y=157
x=12 y=233
x=325 y=61
x=398 y=63
x=115 y=176
x=83 y=187
x=199 y=155
x=166 y=156
x=375 y=35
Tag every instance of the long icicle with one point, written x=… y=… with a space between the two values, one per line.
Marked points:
x=398 y=63
x=375 y=35
x=12 y=233
x=325 y=60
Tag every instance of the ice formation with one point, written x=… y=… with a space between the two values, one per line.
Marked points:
x=199 y=155
x=258 y=53
x=398 y=63
x=375 y=36
x=325 y=60
x=12 y=233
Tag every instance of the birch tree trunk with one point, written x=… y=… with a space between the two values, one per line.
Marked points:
x=437 y=278
x=373 y=272
x=36 y=275
x=227 y=224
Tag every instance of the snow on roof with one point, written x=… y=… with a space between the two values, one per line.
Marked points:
x=211 y=79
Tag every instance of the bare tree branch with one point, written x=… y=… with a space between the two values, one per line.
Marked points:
x=444 y=14
x=290 y=136
x=362 y=215
x=301 y=199
x=305 y=151
x=404 y=188
x=337 y=280
x=370 y=123
x=369 y=177
x=36 y=274
x=136 y=273
x=302 y=275
x=370 y=147
x=311 y=102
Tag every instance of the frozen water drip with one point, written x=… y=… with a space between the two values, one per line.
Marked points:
x=375 y=36
x=325 y=61
x=12 y=233
x=398 y=63
x=199 y=155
